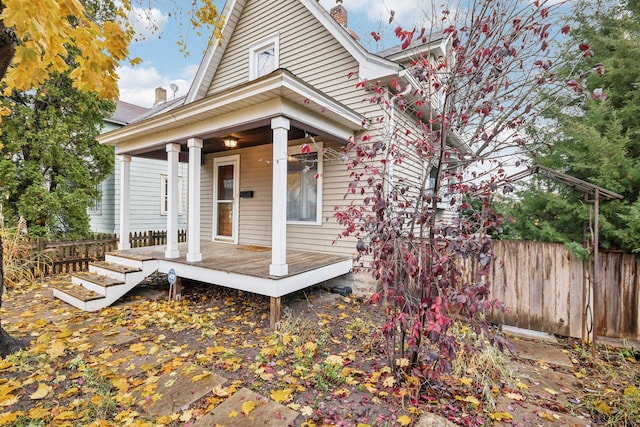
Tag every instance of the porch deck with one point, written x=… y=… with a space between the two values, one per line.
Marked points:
x=246 y=268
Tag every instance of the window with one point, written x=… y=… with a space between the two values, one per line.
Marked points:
x=164 y=195
x=96 y=203
x=304 y=187
x=264 y=57
x=433 y=174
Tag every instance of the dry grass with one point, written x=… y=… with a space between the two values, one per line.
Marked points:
x=21 y=263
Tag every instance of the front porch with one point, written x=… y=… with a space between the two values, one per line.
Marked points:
x=245 y=268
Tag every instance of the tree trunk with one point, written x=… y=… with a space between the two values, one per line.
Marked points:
x=8 y=344
x=8 y=42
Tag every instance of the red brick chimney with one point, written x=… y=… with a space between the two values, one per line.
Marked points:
x=339 y=13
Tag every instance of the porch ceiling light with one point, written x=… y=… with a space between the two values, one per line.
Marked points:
x=230 y=142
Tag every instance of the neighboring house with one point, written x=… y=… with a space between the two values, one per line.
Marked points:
x=148 y=198
x=278 y=79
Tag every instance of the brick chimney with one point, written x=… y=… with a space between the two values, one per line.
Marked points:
x=339 y=13
x=161 y=95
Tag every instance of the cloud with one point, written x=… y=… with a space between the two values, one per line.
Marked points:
x=137 y=84
x=406 y=12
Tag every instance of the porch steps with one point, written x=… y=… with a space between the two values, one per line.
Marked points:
x=106 y=282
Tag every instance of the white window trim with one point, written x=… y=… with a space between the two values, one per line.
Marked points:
x=222 y=161
x=316 y=147
x=96 y=204
x=163 y=194
x=259 y=46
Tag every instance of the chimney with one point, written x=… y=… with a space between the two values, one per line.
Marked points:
x=339 y=13
x=161 y=95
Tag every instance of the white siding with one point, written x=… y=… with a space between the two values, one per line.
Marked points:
x=307 y=49
x=104 y=222
x=255 y=212
x=145 y=190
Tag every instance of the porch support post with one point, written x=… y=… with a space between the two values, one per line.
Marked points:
x=279 y=267
x=125 y=190
x=173 y=153
x=193 y=241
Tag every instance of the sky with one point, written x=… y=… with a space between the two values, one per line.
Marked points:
x=163 y=64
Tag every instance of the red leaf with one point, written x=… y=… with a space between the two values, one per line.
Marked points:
x=305 y=148
x=583 y=47
x=566 y=29
x=376 y=36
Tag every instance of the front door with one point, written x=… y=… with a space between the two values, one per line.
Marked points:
x=225 y=196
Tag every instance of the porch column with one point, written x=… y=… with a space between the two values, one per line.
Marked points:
x=173 y=152
x=279 y=267
x=125 y=190
x=193 y=240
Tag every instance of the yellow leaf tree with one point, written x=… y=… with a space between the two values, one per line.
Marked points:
x=38 y=36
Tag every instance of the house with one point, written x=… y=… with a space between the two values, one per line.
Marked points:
x=148 y=206
x=262 y=131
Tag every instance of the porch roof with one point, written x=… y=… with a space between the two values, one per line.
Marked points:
x=252 y=104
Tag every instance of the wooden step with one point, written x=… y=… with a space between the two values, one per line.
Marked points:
x=100 y=280
x=79 y=292
x=115 y=267
x=129 y=255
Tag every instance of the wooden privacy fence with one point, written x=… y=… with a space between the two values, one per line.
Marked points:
x=68 y=256
x=541 y=284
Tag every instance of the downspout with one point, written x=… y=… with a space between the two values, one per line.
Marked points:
x=391 y=128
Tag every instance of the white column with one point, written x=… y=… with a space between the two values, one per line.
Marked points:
x=125 y=190
x=279 y=267
x=193 y=240
x=173 y=154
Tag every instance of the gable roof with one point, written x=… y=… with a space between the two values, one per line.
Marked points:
x=371 y=66
x=126 y=113
x=434 y=43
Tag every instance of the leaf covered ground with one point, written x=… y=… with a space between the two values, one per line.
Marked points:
x=326 y=361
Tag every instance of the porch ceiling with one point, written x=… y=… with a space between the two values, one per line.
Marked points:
x=245 y=112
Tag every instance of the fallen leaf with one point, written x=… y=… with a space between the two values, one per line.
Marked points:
x=306 y=411
x=201 y=376
x=56 y=349
x=548 y=416
x=404 y=420
x=42 y=392
x=602 y=407
x=551 y=391
x=389 y=382
x=138 y=348
x=186 y=415
x=221 y=391
x=281 y=396
x=233 y=414
x=248 y=406
x=501 y=416
x=514 y=396
x=465 y=381
x=334 y=360
x=472 y=399
x=402 y=363
x=8 y=400
x=65 y=333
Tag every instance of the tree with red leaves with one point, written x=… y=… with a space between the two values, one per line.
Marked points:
x=450 y=132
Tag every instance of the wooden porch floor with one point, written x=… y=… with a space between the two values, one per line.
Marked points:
x=246 y=260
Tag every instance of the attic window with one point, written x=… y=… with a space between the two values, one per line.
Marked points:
x=264 y=57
